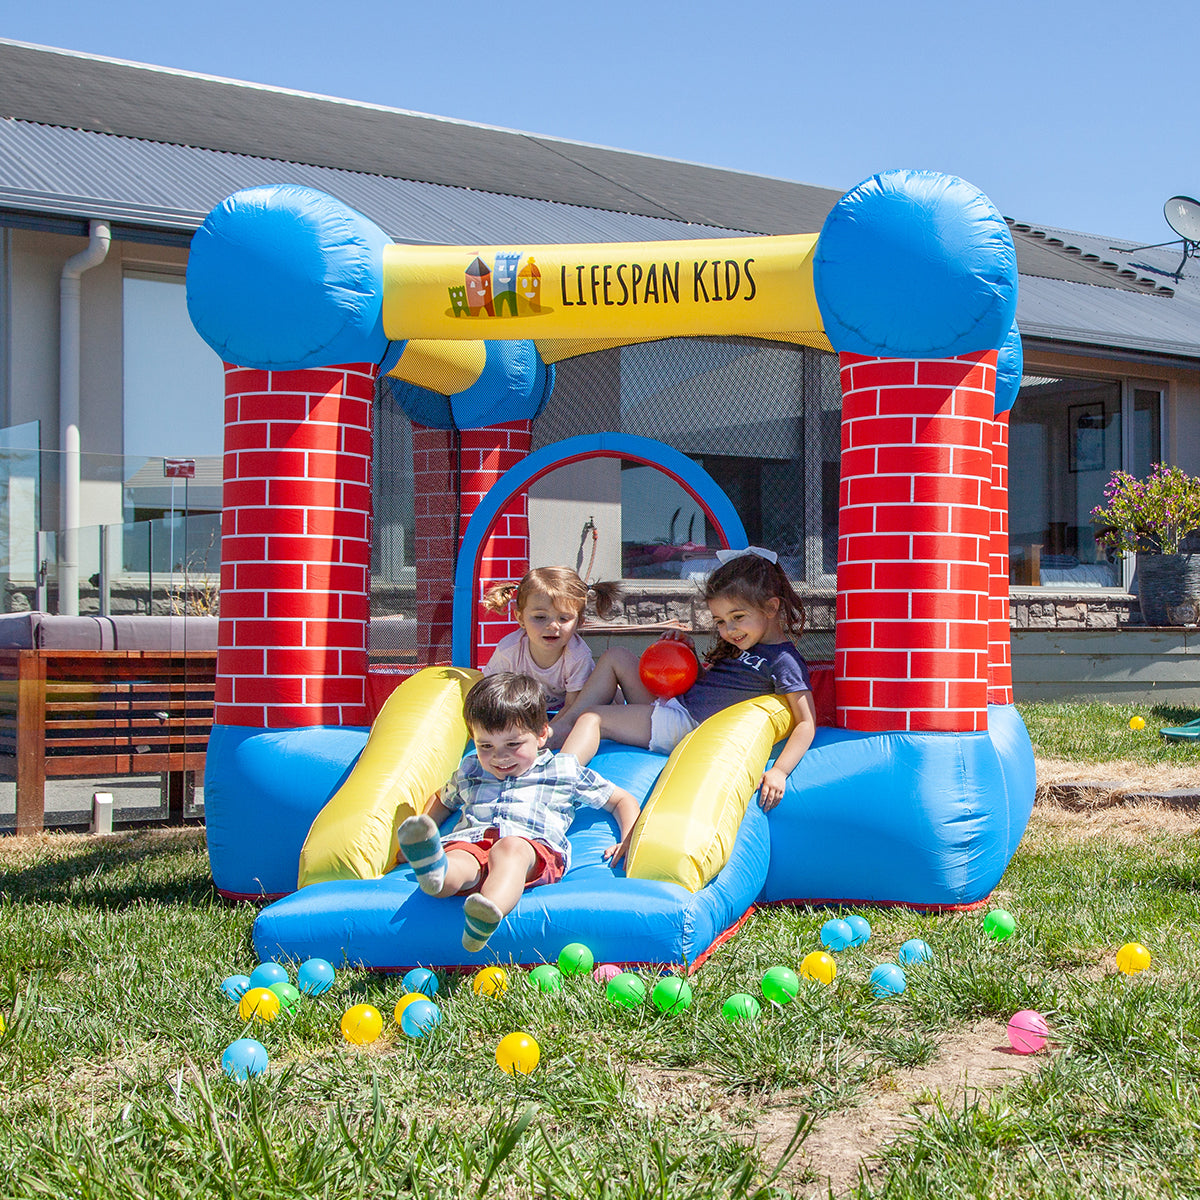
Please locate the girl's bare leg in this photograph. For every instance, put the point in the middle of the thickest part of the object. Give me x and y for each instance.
(625, 723)
(617, 668)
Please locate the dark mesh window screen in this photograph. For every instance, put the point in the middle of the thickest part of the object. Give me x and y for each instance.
(762, 418)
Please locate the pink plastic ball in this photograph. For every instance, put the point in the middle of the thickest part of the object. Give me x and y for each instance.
(1027, 1031)
(604, 972)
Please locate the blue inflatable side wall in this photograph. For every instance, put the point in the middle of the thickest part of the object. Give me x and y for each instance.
(917, 818)
(262, 789)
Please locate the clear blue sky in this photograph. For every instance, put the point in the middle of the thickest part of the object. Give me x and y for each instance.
(1075, 114)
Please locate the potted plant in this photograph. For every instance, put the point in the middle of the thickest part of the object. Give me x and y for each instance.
(1156, 518)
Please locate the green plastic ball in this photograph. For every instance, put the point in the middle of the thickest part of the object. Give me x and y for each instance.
(575, 959)
(546, 978)
(671, 995)
(780, 985)
(626, 989)
(999, 924)
(289, 995)
(740, 1007)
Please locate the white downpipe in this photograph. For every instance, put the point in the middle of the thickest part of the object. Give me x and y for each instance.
(70, 369)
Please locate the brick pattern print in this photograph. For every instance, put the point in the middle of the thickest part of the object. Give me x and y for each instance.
(295, 547)
(914, 543)
(486, 454)
(1000, 688)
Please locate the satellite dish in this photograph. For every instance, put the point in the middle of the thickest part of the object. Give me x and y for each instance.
(1183, 216)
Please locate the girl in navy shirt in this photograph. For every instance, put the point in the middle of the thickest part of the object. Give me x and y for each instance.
(756, 614)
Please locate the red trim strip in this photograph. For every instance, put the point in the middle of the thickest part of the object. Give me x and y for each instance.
(843, 903)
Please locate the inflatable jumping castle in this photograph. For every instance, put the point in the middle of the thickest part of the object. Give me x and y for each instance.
(919, 791)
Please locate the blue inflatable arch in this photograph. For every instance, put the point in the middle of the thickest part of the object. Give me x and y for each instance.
(693, 479)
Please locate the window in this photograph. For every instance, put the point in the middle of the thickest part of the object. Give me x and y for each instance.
(762, 418)
(1067, 436)
(174, 398)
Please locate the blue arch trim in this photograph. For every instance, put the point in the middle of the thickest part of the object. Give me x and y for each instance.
(670, 461)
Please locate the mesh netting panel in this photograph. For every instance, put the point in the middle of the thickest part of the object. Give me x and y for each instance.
(762, 418)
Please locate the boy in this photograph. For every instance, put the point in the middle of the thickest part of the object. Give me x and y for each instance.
(517, 802)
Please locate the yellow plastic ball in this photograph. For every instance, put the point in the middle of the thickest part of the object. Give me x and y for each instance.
(1, 1022)
(362, 1024)
(1132, 958)
(1137, 723)
(405, 1001)
(517, 1053)
(258, 1003)
(819, 967)
(491, 981)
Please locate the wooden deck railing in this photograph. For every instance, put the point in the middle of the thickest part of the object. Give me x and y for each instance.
(76, 713)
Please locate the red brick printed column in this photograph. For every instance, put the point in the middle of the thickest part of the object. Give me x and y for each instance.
(486, 454)
(1000, 689)
(295, 547)
(914, 542)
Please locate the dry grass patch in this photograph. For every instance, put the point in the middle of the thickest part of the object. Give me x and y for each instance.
(972, 1064)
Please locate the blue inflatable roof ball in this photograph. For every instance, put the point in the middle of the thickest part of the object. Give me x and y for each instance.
(287, 277)
(514, 385)
(1010, 366)
(915, 264)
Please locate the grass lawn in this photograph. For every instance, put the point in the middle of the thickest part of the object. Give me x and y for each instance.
(1100, 733)
(112, 950)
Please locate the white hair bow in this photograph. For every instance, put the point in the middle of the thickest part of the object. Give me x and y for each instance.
(724, 556)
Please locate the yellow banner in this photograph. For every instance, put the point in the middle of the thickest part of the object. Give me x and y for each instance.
(615, 290)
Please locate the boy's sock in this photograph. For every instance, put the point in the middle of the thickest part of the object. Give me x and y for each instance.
(418, 838)
(480, 919)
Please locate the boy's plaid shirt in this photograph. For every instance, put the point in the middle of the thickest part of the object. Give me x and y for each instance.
(540, 804)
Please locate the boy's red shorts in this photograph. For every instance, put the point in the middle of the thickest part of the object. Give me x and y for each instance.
(547, 863)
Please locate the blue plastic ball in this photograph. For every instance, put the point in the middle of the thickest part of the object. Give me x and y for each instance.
(420, 1018)
(861, 928)
(315, 976)
(244, 1058)
(267, 973)
(836, 934)
(235, 986)
(915, 951)
(888, 980)
(423, 980)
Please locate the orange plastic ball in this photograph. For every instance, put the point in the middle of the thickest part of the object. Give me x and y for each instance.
(668, 668)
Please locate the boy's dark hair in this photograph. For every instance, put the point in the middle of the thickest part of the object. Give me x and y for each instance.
(504, 700)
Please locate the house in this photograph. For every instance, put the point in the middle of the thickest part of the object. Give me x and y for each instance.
(107, 167)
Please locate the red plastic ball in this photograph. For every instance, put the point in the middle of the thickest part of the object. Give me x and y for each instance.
(668, 668)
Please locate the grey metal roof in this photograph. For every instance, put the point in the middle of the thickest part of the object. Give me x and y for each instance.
(60, 87)
(47, 169)
(153, 150)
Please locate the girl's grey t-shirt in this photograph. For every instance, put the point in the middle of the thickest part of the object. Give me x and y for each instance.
(759, 671)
